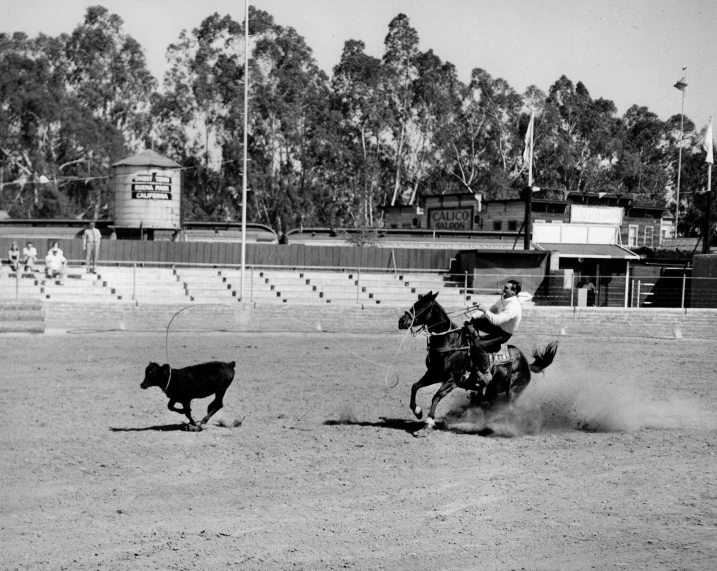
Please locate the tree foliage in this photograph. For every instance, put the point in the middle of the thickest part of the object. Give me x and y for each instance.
(329, 151)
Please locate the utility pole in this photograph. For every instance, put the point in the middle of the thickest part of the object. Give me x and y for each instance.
(707, 232)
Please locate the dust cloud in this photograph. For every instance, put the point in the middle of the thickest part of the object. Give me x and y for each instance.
(588, 401)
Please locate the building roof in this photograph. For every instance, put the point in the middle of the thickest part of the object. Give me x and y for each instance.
(147, 158)
(590, 251)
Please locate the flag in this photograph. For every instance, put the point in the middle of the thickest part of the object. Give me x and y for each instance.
(708, 145)
(528, 151)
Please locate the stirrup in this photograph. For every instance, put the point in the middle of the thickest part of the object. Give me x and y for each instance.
(484, 377)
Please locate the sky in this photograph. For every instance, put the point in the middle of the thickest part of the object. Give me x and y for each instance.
(629, 51)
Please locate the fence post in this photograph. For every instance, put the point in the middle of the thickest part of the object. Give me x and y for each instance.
(465, 288)
(639, 283)
(17, 282)
(627, 282)
(251, 286)
(134, 282)
(684, 283)
(358, 284)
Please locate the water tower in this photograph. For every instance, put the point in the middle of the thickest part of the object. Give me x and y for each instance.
(147, 190)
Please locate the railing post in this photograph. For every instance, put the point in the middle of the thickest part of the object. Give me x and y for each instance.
(251, 286)
(358, 284)
(639, 283)
(465, 288)
(684, 283)
(627, 283)
(134, 282)
(17, 283)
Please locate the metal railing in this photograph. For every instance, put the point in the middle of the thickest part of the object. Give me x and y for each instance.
(560, 289)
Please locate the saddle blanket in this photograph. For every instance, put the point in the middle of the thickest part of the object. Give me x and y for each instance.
(500, 357)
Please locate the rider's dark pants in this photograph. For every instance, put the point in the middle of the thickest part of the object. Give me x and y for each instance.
(489, 344)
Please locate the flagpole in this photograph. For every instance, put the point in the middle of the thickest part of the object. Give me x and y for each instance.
(244, 174)
(529, 189)
(682, 86)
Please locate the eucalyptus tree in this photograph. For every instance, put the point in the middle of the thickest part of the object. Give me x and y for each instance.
(47, 134)
(199, 114)
(400, 73)
(359, 96)
(289, 125)
(106, 71)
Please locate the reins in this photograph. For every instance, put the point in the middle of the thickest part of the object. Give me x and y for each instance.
(430, 333)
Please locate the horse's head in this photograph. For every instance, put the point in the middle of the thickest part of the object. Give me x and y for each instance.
(420, 312)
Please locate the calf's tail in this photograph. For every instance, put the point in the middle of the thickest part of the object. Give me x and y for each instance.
(543, 358)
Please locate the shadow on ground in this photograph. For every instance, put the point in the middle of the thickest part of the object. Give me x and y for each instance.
(158, 428)
(410, 426)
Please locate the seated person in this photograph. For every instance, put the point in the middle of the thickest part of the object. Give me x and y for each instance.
(29, 257)
(56, 246)
(55, 264)
(13, 257)
(500, 322)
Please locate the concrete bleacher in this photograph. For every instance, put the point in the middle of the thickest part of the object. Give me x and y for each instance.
(165, 285)
(143, 285)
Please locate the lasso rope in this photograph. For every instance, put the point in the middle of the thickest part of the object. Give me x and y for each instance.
(166, 336)
(387, 367)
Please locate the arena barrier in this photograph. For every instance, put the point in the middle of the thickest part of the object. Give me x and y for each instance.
(550, 321)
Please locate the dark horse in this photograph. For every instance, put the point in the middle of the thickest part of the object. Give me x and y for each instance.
(449, 359)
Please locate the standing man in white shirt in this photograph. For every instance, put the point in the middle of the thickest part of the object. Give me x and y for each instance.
(91, 245)
(500, 321)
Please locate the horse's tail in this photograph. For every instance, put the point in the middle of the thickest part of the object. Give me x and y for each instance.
(543, 358)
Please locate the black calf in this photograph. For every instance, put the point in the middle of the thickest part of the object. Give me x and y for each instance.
(195, 382)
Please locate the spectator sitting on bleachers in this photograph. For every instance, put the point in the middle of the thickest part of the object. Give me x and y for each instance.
(29, 257)
(56, 246)
(13, 257)
(55, 264)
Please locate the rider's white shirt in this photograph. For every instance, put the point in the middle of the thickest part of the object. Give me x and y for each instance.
(506, 313)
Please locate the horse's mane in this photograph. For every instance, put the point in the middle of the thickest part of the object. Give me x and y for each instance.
(452, 325)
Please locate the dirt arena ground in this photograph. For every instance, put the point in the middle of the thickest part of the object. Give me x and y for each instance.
(608, 461)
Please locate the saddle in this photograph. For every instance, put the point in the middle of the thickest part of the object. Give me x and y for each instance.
(499, 357)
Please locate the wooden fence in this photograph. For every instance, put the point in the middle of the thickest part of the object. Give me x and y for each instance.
(229, 253)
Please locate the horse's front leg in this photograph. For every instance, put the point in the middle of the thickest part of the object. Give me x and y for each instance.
(426, 380)
(446, 388)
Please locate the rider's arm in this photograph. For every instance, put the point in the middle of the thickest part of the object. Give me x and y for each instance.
(508, 313)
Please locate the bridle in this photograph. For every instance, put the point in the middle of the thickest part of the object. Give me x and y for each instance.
(413, 315)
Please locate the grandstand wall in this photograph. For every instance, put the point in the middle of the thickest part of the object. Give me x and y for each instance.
(550, 321)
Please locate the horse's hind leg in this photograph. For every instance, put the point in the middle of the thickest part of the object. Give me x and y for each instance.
(425, 381)
(446, 388)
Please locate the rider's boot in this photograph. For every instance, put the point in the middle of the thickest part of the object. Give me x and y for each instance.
(484, 378)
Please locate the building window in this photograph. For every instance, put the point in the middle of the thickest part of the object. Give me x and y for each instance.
(632, 235)
(648, 236)
(512, 225)
(497, 225)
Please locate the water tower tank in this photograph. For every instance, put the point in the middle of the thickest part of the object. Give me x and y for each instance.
(147, 192)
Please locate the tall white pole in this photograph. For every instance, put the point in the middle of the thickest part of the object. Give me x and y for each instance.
(246, 123)
(683, 81)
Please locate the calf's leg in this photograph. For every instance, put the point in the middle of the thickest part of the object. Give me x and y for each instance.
(186, 410)
(213, 408)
